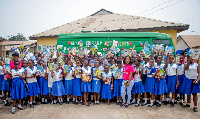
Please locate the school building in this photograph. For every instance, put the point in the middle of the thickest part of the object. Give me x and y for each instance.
(106, 21)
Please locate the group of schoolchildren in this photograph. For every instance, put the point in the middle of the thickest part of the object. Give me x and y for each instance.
(139, 82)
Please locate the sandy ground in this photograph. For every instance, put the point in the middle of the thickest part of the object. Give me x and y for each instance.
(102, 111)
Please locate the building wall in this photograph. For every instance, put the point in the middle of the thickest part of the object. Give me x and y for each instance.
(47, 41)
(180, 45)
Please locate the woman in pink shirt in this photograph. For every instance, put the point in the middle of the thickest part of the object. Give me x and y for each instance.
(128, 81)
(15, 56)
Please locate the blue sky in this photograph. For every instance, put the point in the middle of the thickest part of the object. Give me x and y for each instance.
(30, 17)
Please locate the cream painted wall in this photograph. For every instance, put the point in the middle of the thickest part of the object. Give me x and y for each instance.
(47, 41)
(180, 45)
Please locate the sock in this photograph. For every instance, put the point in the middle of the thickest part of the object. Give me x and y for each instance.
(159, 102)
(5, 101)
(76, 100)
(31, 103)
(87, 98)
(6, 98)
(145, 100)
(13, 108)
(54, 101)
(188, 103)
(172, 100)
(91, 97)
(138, 101)
(175, 101)
(19, 105)
(133, 101)
(61, 99)
(67, 99)
(195, 106)
(1, 96)
(151, 102)
(97, 101)
(81, 101)
(181, 101)
(167, 99)
(117, 100)
(45, 100)
(73, 99)
(42, 99)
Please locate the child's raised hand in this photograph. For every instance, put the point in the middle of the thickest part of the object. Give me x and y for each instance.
(195, 82)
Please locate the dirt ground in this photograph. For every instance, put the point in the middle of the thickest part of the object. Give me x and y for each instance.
(102, 111)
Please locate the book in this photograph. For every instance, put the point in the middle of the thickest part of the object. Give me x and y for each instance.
(169, 49)
(50, 66)
(93, 50)
(7, 60)
(108, 80)
(67, 68)
(112, 68)
(77, 70)
(39, 68)
(86, 77)
(91, 62)
(61, 62)
(117, 73)
(160, 72)
(98, 73)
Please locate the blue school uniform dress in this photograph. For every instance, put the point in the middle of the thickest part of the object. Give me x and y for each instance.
(188, 86)
(1, 76)
(150, 81)
(69, 82)
(118, 83)
(171, 78)
(181, 76)
(160, 84)
(144, 72)
(106, 86)
(33, 87)
(43, 83)
(96, 83)
(77, 85)
(17, 88)
(86, 87)
(58, 87)
(138, 87)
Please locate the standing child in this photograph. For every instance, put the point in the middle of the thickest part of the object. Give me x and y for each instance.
(118, 82)
(107, 84)
(69, 80)
(138, 87)
(77, 81)
(172, 78)
(58, 87)
(96, 83)
(2, 72)
(33, 87)
(17, 88)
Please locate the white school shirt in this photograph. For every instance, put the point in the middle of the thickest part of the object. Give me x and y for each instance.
(14, 72)
(137, 76)
(88, 70)
(101, 68)
(1, 70)
(144, 69)
(161, 66)
(50, 79)
(191, 73)
(29, 73)
(171, 69)
(121, 76)
(57, 74)
(109, 74)
(69, 75)
(180, 69)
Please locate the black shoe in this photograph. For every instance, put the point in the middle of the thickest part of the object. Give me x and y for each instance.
(122, 104)
(97, 103)
(7, 104)
(67, 102)
(76, 103)
(21, 108)
(158, 105)
(35, 103)
(187, 105)
(181, 104)
(148, 102)
(42, 102)
(117, 103)
(150, 105)
(25, 103)
(172, 104)
(45, 102)
(178, 98)
(155, 103)
(127, 105)
(195, 109)
(31, 106)
(137, 105)
(12, 112)
(143, 104)
(60, 103)
(175, 102)
(82, 103)
(166, 102)
(88, 104)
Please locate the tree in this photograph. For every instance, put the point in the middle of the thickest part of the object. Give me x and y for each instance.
(18, 37)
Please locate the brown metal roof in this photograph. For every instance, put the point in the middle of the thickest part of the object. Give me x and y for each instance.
(111, 22)
(191, 40)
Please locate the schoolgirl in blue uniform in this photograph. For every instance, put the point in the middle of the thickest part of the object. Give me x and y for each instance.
(33, 87)
(96, 83)
(118, 82)
(17, 87)
(107, 84)
(58, 87)
(172, 78)
(181, 77)
(43, 83)
(77, 82)
(86, 85)
(146, 64)
(160, 82)
(149, 83)
(69, 81)
(138, 87)
(191, 83)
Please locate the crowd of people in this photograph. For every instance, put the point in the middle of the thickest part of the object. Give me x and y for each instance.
(127, 80)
